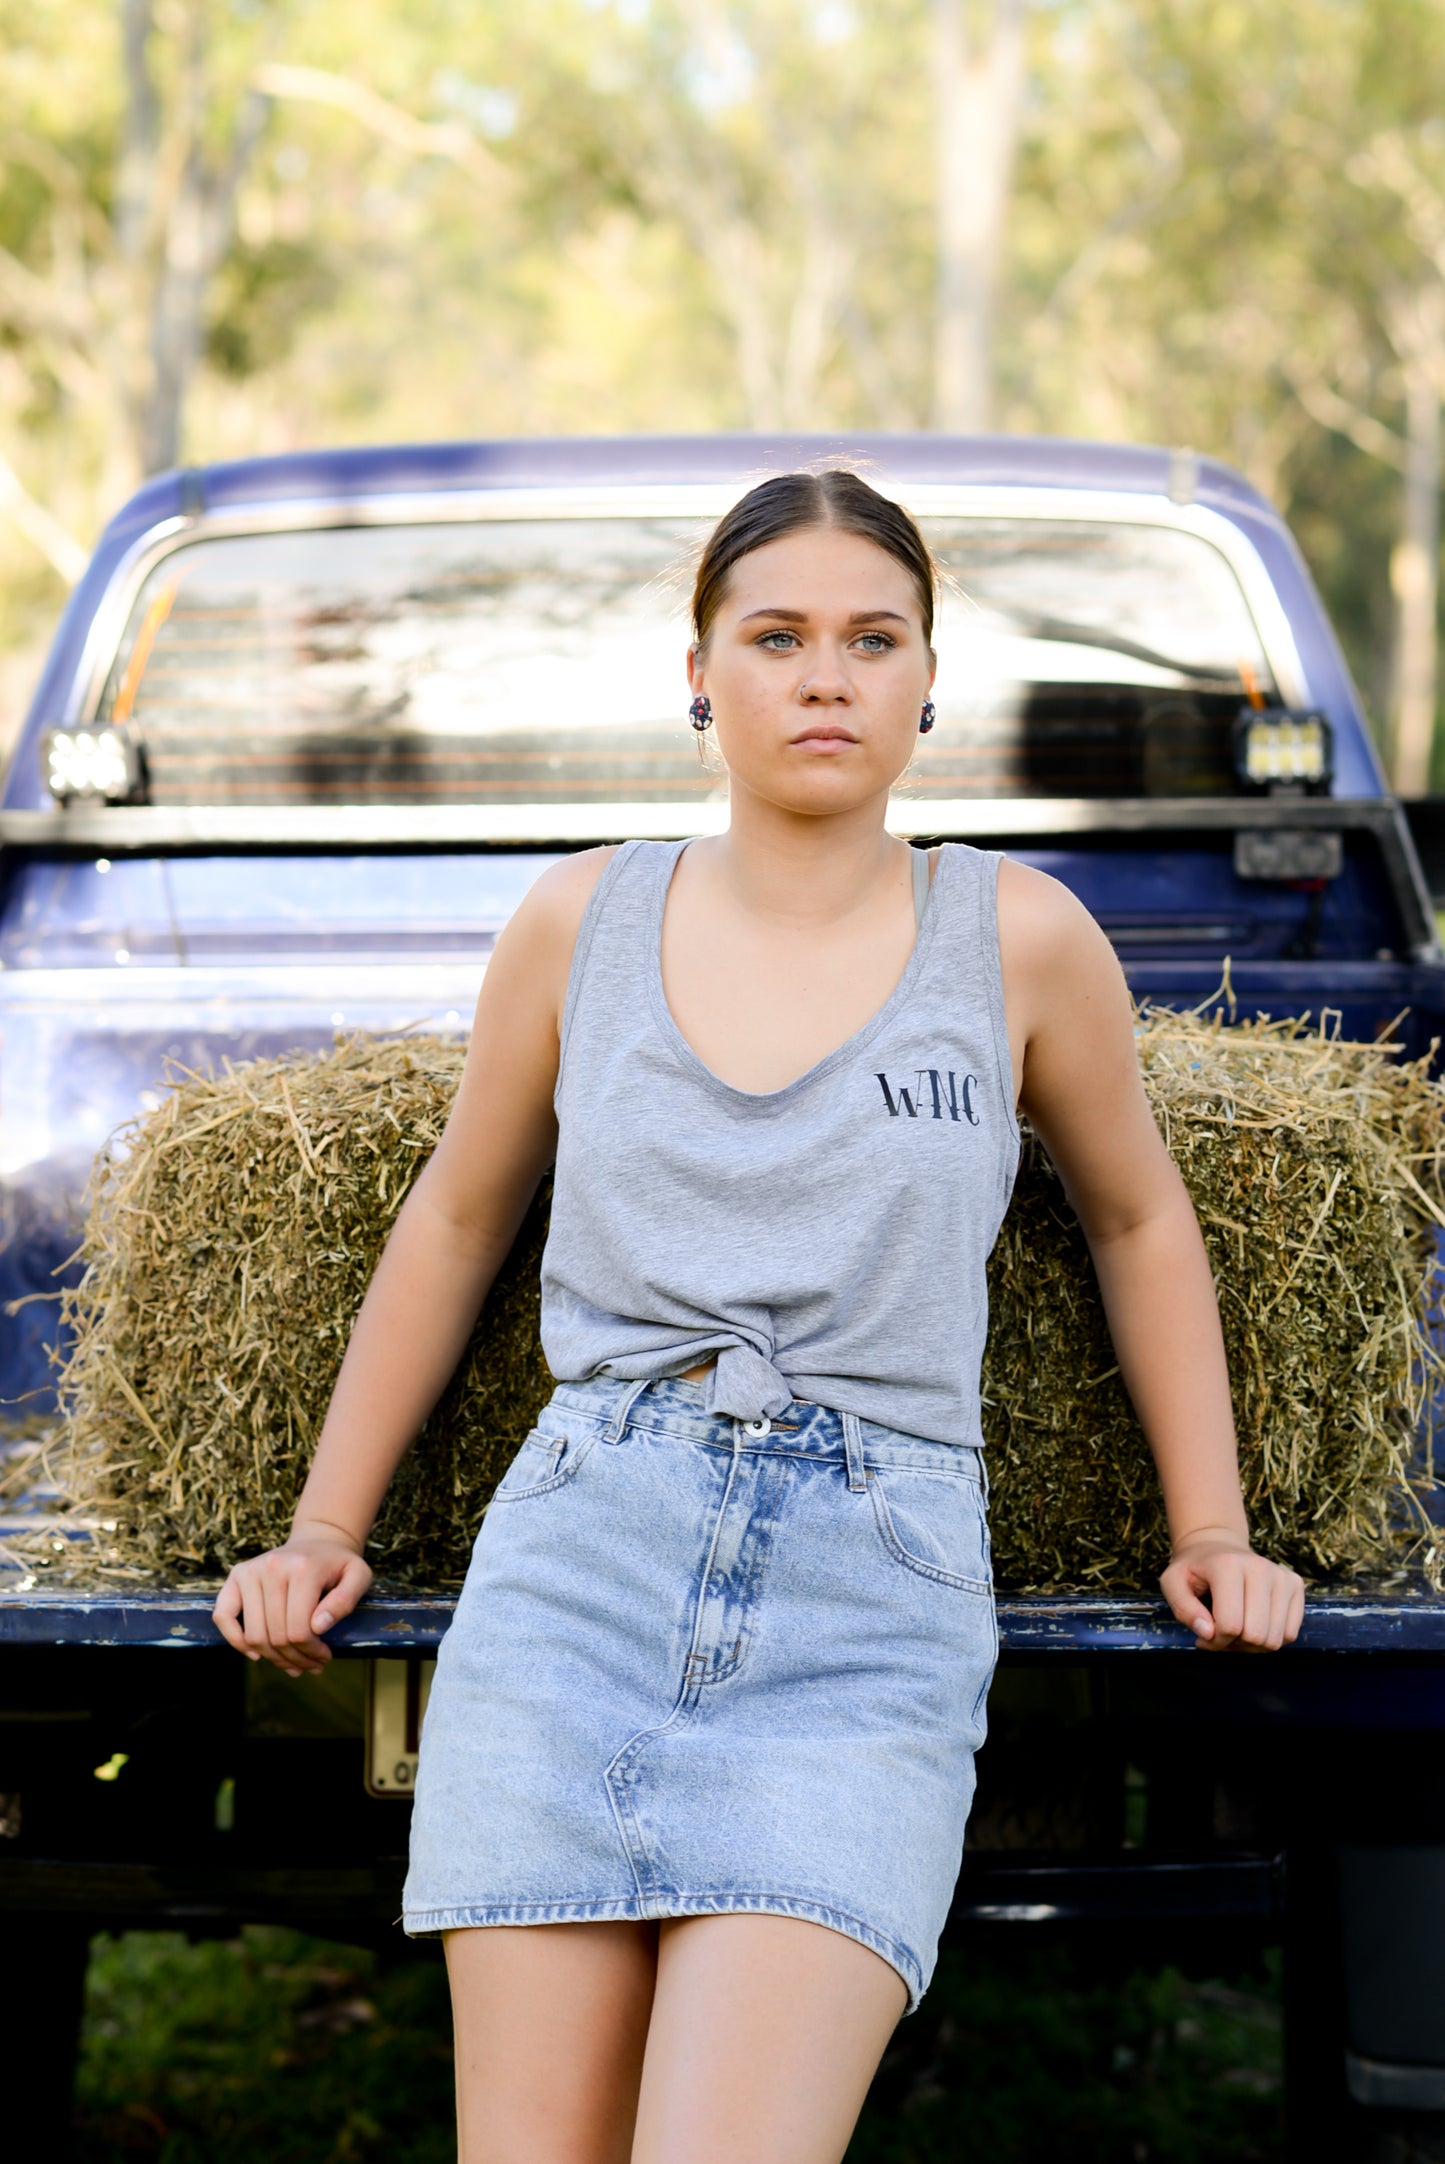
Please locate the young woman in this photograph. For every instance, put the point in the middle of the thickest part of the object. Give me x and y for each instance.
(700, 1749)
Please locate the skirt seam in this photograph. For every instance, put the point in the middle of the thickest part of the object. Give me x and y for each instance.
(629, 1825)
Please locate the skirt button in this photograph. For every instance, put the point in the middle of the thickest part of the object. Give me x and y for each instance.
(758, 1427)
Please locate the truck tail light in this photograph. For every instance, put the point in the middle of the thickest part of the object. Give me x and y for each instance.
(102, 764)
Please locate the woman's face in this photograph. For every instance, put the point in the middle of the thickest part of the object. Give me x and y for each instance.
(817, 669)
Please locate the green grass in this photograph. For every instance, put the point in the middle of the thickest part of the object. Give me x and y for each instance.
(272, 2046)
(1038, 2059)
(284, 2048)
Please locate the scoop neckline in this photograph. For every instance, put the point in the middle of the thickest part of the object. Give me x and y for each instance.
(861, 1036)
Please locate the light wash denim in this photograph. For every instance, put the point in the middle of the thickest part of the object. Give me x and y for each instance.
(703, 1666)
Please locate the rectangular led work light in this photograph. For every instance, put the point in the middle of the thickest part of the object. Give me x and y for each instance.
(102, 764)
(1283, 748)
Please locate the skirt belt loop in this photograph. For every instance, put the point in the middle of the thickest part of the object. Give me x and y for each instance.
(624, 1411)
(853, 1445)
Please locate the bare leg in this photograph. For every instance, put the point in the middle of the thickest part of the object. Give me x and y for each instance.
(551, 2023)
(765, 2034)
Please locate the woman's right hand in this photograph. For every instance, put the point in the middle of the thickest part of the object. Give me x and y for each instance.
(275, 1607)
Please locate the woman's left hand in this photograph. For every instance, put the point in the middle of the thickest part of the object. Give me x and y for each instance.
(1254, 1606)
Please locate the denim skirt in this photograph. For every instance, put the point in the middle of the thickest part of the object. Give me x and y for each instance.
(701, 1667)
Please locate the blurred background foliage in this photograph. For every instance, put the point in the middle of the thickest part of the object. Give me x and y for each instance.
(1037, 2052)
(240, 226)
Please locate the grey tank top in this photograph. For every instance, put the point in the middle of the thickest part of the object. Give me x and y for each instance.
(827, 1240)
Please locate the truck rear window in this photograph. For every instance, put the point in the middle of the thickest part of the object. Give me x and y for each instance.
(540, 661)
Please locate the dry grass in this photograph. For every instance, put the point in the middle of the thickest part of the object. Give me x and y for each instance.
(1316, 1168)
(232, 1232)
(230, 1237)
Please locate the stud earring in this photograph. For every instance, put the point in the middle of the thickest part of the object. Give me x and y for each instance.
(701, 713)
(927, 718)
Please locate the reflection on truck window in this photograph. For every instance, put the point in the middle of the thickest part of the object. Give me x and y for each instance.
(1087, 660)
(540, 661)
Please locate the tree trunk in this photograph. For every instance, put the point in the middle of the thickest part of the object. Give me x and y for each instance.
(135, 178)
(1415, 577)
(979, 88)
(177, 309)
(174, 213)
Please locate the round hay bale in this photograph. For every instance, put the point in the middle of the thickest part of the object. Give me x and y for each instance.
(1315, 1168)
(230, 1238)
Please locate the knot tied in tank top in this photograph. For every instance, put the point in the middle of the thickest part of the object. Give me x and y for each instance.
(826, 1241)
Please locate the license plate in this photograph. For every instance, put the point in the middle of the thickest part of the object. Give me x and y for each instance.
(396, 1695)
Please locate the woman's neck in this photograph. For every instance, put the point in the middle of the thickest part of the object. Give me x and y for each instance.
(791, 868)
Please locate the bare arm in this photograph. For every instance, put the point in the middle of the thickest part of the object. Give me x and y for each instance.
(451, 1237)
(1072, 1020)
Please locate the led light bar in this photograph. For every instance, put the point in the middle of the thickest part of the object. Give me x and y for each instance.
(100, 765)
(1280, 747)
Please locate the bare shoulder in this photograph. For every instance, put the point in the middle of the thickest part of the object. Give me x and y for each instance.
(561, 895)
(1041, 924)
(529, 967)
(1060, 973)
(502, 1128)
(547, 919)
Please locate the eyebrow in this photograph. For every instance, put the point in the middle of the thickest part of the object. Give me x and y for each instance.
(800, 616)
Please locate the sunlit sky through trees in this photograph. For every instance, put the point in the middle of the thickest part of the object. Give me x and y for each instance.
(236, 226)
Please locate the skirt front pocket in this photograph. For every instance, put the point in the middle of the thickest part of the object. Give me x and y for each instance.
(934, 1523)
(544, 1462)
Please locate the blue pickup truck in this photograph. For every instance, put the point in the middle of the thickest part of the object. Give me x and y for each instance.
(309, 728)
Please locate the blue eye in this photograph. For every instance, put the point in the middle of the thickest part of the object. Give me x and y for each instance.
(876, 642)
(769, 636)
